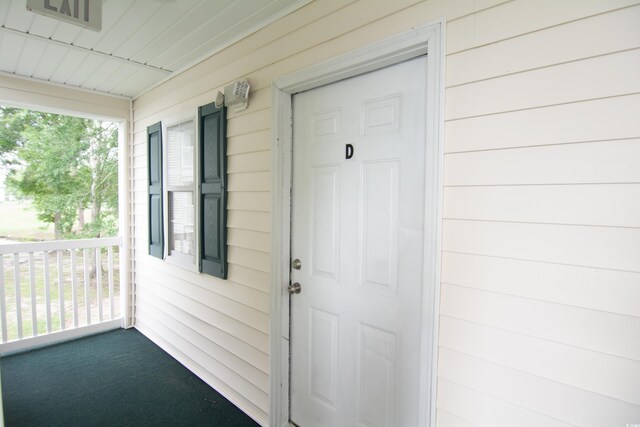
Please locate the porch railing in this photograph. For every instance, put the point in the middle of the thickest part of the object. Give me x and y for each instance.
(49, 287)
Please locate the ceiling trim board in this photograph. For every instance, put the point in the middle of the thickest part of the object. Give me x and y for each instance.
(62, 85)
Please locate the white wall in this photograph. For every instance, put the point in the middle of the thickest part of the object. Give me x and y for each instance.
(540, 304)
(540, 308)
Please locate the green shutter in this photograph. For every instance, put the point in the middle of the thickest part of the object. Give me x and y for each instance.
(154, 173)
(213, 190)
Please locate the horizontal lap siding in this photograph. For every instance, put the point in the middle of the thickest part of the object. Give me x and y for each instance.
(220, 329)
(528, 393)
(579, 122)
(541, 236)
(592, 78)
(505, 57)
(520, 17)
(540, 312)
(485, 409)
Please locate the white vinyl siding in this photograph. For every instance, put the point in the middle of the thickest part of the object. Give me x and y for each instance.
(541, 239)
(541, 236)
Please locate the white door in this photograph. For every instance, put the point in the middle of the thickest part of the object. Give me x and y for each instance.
(357, 229)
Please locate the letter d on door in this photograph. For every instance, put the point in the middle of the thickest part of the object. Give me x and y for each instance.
(349, 151)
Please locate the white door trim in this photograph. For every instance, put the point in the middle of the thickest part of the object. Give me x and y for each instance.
(426, 39)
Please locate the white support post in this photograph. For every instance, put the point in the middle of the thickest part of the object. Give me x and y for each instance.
(125, 188)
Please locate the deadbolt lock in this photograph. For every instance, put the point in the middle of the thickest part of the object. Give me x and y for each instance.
(295, 288)
(296, 264)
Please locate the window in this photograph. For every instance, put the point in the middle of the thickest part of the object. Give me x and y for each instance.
(180, 191)
(188, 191)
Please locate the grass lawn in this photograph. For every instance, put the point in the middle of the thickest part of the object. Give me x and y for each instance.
(19, 222)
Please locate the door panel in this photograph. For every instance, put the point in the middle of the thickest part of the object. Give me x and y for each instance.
(357, 227)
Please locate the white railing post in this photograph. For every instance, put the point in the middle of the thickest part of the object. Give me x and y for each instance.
(32, 282)
(3, 304)
(74, 287)
(87, 300)
(18, 291)
(60, 290)
(110, 278)
(47, 289)
(99, 282)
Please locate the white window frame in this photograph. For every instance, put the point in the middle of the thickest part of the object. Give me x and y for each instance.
(179, 259)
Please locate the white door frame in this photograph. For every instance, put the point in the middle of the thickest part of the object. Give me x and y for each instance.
(426, 39)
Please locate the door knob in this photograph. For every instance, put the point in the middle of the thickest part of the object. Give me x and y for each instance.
(295, 288)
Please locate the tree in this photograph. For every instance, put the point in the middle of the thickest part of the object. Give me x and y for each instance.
(103, 185)
(12, 123)
(65, 165)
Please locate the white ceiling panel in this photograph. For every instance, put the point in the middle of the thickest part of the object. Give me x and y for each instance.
(138, 78)
(11, 49)
(183, 48)
(30, 57)
(4, 11)
(71, 61)
(124, 72)
(51, 58)
(108, 67)
(123, 28)
(42, 26)
(158, 24)
(135, 78)
(88, 67)
(16, 18)
(219, 34)
(65, 33)
(180, 29)
(142, 42)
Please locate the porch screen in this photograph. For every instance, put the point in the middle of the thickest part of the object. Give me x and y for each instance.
(154, 171)
(213, 190)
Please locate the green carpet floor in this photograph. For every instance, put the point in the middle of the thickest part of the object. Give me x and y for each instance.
(117, 378)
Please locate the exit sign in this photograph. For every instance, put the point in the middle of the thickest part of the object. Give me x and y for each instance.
(85, 13)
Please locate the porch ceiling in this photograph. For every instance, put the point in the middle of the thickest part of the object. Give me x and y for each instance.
(142, 42)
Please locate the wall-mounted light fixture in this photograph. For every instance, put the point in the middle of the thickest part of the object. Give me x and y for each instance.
(236, 96)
